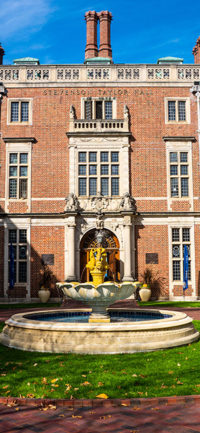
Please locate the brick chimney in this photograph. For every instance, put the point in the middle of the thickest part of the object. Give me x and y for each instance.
(196, 52)
(105, 18)
(2, 52)
(91, 49)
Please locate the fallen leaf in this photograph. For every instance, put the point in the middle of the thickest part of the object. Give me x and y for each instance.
(134, 375)
(5, 387)
(179, 383)
(102, 396)
(54, 380)
(170, 372)
(179, 364)
(86, 383)
(30, 395)
(61, 415)
(100, 384)
(83, 375)
(35, 365)
(124, 404)
(77, 416)
(44, 380)
(76, 389)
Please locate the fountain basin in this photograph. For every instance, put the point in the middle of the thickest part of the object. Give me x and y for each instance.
(99, 297)
(23, 332)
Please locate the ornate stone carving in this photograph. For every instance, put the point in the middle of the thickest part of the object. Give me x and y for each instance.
(72, 202)
(126, 112)
(127, 202)
(99, 202)
(99, 221)
(72, 112)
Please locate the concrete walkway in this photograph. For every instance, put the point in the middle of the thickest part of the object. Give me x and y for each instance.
(156, 415)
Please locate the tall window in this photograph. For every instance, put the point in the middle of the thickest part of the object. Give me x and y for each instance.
(98, 109)
(180, 237)
(18, 175)
(19, 111)
(98, 171)
(18, 240)
(179, 174)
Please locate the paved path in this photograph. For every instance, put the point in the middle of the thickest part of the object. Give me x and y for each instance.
(152, 416)
(163, 415)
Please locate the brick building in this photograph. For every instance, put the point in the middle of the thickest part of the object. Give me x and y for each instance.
(99, 146)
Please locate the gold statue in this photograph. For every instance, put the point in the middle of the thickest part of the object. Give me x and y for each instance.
(97, 265)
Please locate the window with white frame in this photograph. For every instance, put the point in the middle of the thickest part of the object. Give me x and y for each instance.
(179, 174)
(98, 171)
(177, 110)
(98, 109)
(180, 238)
(18, 175)
(20, 111)
(17, 240)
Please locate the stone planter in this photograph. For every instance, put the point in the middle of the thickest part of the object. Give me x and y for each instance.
(145, 293)
(44, 295)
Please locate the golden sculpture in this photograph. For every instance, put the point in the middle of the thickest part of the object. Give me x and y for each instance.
(97, 265)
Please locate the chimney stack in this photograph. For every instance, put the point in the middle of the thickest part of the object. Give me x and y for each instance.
(105, 18)
(196, 52)
(2, 52)
(91, 49)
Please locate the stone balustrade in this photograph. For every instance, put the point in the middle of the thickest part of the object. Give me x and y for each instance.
(108, 73)
(99, 125)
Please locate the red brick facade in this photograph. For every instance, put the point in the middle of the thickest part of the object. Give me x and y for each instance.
(150, 137)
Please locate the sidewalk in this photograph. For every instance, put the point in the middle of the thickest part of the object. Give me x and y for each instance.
(166, 415)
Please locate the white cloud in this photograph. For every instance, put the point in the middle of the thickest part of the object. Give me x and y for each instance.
(19, 17)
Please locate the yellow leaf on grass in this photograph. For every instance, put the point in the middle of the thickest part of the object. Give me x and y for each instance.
(102, 396)
(54, 380)
(44, 380)
(5, 387)
(170, 372)
(86, 383)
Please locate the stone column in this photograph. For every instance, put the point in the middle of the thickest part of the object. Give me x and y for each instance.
(127, 249)
(71, 248)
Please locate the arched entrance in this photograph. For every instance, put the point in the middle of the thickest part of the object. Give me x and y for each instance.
(111, 244)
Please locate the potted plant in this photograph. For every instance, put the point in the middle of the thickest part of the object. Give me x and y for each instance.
(45, 283)
(147, 279)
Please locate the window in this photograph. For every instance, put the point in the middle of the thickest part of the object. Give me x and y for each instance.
(19, 111)
(17, 241)
(177, 110)
(18, 175)
(98, 109)
(179, 174)
(180, 237)
(98, 171)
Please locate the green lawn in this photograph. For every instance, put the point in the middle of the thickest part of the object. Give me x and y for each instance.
(181, 304)
(162, 373)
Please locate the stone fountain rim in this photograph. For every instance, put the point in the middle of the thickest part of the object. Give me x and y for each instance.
(178, 318)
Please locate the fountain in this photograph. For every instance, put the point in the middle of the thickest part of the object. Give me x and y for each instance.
(100, 328)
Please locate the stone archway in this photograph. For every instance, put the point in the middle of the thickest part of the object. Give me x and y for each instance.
(111, 244)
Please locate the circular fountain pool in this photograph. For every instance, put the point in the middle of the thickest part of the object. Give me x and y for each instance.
(129, 331)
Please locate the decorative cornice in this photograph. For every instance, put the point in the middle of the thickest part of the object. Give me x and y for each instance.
(179, 138)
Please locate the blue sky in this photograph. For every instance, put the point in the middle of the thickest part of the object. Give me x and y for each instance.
(55, 31)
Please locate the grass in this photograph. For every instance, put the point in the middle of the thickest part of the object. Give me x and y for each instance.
(162, 373)
(181, 304)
